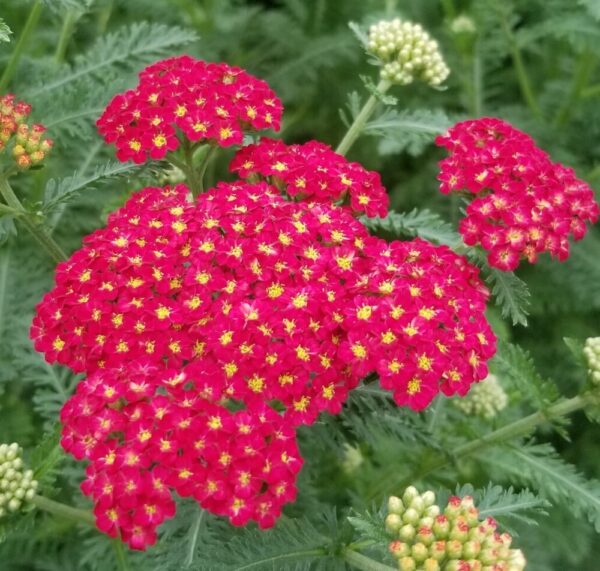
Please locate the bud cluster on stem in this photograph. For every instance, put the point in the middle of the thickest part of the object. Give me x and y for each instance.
(591, 352)
(485, 399)
(427, 539)
(407, 52)
(17, 485)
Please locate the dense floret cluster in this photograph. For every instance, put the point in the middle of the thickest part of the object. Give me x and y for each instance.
(524, 203)
(17, 486)
(407, 53)
(188, 98)
(191, 319)
(30, 146)
(313, 171)
(486, 399)
(591, 353)
(425, 539)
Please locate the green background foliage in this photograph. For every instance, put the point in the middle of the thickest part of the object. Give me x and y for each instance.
(534, 63)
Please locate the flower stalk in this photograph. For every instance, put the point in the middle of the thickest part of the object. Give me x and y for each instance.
(63, 510)
(33, 226)
(361, 119)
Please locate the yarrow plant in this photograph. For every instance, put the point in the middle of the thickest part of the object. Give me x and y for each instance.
(209, 330)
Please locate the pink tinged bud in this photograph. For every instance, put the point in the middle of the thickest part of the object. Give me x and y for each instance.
(457, 565)
(438, 550)
(46, 145)
(441, 527)
(454, 549)
(425, 535)
(488, 556)
(460, 529)
(37, 157)
(419, 552)
(475, 565)
(399, 549)
(24, 162)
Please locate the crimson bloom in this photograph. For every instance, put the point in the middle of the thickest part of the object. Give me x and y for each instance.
(524, 203)
(204, 102)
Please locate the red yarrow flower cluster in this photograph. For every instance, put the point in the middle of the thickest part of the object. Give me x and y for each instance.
(30, 147)
(195, 323)
(525, 204)
(313, 171)
(181, 96)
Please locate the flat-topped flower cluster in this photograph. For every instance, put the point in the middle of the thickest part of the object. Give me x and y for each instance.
(524, 204)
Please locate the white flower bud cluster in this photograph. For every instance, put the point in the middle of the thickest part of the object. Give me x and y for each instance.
(17, 485)
(407, 52)
(353, 458)
(591, 352)
(425, 539)
(485, 399)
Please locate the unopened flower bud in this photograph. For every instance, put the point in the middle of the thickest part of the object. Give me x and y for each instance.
(407, 564)
(16, 485)
(407, 533)
(393, 522)
(399, 549)
(462, 25)
(409, 495)
(419, 552)
(454, 549)
(591, 352)
(395, 505)
(431, 564)
(429, 499)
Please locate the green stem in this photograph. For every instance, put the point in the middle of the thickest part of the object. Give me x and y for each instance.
(11, 66)
(359, 123)
(63, 510)
(521, 70)
(203, 166)
(584, 70)
(449, 9)
(477, 102)
(120, 555)
(65, 35)
(33, 226)
(195, 532)
(193, 180)
(515, 429)
(360, 561)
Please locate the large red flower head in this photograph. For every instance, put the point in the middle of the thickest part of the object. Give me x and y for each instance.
(525, 204)
(209, 331)
(313, 171)
(185, 98)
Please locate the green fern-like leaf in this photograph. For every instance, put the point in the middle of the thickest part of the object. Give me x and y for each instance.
(417, 223)
(511, 293)
(407, 130)
(542, 468)
(515, 365)
(5, 31)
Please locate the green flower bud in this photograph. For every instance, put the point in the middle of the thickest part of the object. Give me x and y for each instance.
(393, 522)
(411, 516)
(395, 505)
(419, 552)
(431, 565)
(429, 499)
(407, 533)
(438, 550)
(409, 495)
(591, 352)
(462, 25)
(418, 504)
(471, 549)
(485, 399)
(454, 549)
(407, 564)
(16, 484)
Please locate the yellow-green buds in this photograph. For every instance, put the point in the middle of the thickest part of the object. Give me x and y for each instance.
(485, 399)
(591, 351)
(407, 52)
(424, 539)
(17, 485)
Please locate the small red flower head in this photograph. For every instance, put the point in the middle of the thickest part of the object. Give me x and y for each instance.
(313, 171)
(182, 97)
(524, 203)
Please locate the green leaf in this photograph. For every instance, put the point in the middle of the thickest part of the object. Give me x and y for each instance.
(370, 525)
(127, 48)
(407, 130)
(515, 365)
(5, 31)
(541, 467)
(417, 223)
(511, 293)
(58, 192)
